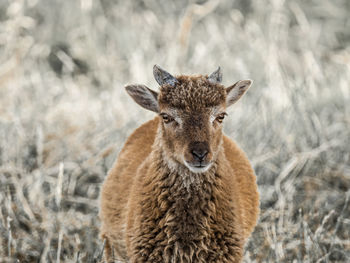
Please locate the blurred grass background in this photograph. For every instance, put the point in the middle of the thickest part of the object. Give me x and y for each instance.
(64, 114)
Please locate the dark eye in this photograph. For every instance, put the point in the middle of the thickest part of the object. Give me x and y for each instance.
(221, 117)
(166, 118)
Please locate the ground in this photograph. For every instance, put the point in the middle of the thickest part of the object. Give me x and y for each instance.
(64, 114)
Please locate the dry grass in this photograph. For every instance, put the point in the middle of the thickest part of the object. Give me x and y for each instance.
(64, 114)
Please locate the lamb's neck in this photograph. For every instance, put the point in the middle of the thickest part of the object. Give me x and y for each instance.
(178, 177)
(186, 201)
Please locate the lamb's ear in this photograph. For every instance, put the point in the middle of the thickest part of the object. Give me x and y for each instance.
(236, 91)
(144, 96)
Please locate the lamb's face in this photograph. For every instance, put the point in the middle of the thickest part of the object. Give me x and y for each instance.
(192, 138)
(192, 113)
(192, 109)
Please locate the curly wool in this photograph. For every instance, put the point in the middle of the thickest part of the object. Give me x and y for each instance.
(192, 92)
(178, 223)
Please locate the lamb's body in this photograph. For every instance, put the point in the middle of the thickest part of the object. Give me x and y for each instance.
(152, 214)
(180, 191)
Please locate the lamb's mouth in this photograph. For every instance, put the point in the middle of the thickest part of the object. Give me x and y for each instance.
(198, 167)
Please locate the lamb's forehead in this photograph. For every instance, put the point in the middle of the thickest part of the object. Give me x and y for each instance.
(192, 92)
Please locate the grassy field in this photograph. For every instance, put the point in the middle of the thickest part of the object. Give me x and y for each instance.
(64, 114)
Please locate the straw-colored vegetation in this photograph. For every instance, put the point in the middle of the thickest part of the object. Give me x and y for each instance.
(64, 114)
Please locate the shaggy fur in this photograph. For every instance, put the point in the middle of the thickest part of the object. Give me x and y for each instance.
(154, 209)
(192, 93)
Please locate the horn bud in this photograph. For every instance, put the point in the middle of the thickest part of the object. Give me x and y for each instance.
(163, 77)
(215, 77)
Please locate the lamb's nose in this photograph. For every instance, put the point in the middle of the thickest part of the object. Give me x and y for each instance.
(199, 150)
(199, 154)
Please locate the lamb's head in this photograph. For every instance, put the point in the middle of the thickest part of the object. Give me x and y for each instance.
(192, 109)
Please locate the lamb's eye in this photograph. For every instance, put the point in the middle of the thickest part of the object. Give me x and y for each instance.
(166, 118)
(221, 117)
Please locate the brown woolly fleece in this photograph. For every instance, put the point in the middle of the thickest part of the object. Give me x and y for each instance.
(156, 210)
(194, 92)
